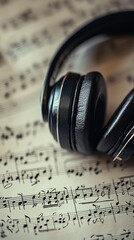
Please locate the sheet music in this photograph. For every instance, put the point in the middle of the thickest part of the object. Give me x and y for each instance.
(47, 192)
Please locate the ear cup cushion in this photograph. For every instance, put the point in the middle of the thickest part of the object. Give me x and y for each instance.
(90, 112)
(74, 113)
(65, 109)
(121, 120)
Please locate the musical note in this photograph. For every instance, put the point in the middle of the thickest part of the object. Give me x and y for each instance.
(33, 175)
(46, 191)
(18, 133)
(13, 84)
(47, 155)
(125, 234)
(93, 166)
(102, 193)
(63, 220)
(35, 155)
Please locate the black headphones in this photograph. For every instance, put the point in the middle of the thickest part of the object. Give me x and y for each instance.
(75, 105)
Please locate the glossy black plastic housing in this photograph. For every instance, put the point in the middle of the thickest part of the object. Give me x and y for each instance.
(125, 149)
(114, 133)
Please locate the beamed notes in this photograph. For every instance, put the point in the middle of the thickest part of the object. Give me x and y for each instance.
(47, 192)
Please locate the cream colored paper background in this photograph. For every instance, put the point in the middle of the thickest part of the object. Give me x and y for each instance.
(45, 191)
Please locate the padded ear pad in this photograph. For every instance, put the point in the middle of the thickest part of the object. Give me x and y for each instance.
(118, 126)
(68, 87)
(89, 112)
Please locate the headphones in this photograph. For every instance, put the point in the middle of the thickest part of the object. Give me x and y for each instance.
(75, 105)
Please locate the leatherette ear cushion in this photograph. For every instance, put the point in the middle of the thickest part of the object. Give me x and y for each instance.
(65, 109)
(90, 112)
(118, 124)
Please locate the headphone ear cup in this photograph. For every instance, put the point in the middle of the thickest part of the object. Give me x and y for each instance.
(89, 113)
(60, 108)
(118, 126)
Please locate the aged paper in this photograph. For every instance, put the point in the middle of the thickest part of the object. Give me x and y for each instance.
(47, 192)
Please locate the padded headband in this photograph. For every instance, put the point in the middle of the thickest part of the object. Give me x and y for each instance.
(120, 23)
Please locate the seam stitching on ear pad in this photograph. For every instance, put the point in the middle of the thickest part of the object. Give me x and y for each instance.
(65, 109)
(93, 89)
(118, 123)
